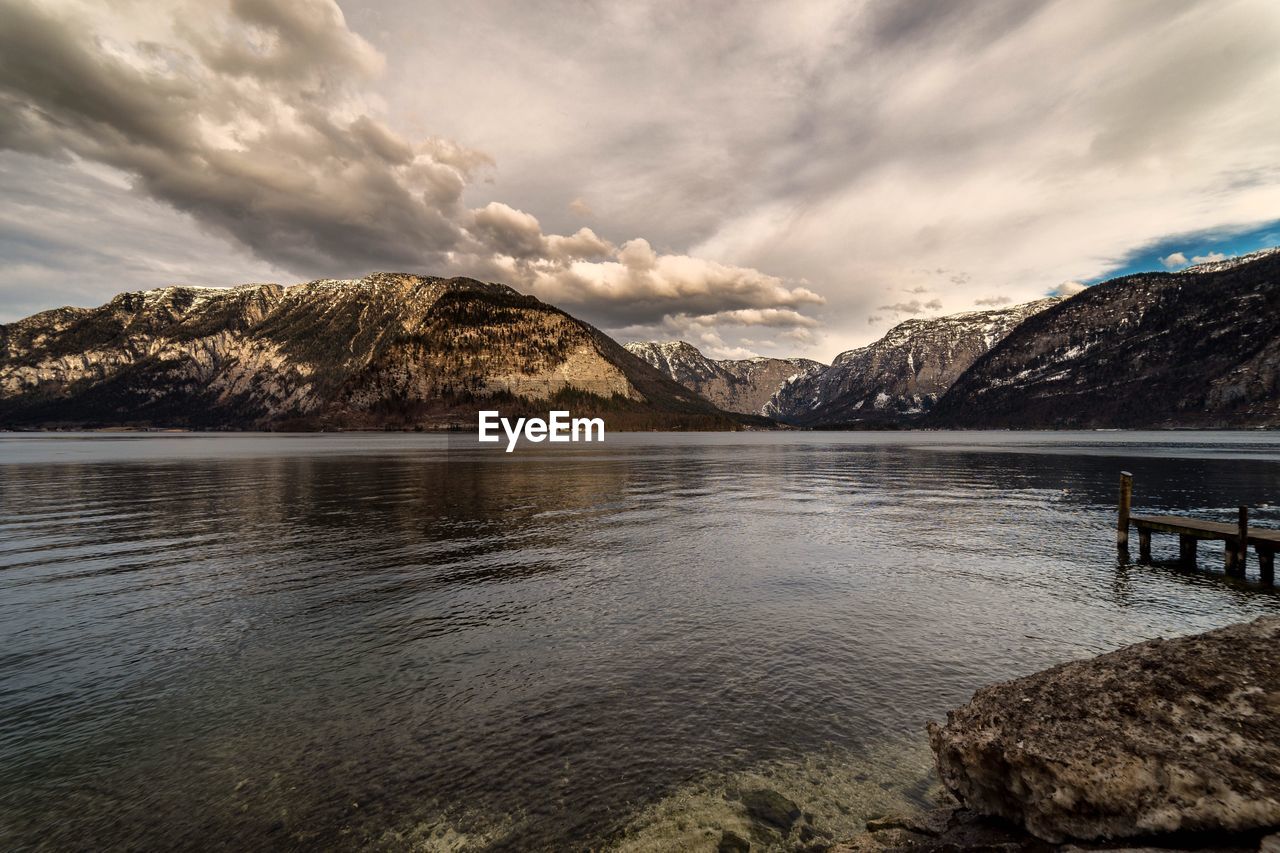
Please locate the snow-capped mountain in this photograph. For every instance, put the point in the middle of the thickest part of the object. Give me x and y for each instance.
(387, 350)
(899, 377)
(1199, 347)
(1231, 263)
(741, 385)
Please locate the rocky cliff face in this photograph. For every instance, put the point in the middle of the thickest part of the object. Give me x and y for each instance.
(1195, 348)
(742, 385)
(899, 377)
(386, 350)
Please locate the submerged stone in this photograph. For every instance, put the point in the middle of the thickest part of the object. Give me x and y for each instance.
(1160, 737)
(932, 823)
(768, 806)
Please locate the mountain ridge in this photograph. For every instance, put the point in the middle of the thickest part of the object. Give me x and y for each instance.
(896, 379)
(1195, 348)
(388, 349)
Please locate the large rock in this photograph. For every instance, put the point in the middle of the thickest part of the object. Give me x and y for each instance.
(1165, 736)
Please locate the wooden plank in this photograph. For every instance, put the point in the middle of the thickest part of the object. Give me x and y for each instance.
(1205, 529)
(1179, 524)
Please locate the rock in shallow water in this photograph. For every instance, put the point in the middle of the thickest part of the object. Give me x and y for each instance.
(772, 808)
(1163, 736)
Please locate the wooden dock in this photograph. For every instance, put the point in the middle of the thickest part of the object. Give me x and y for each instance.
(1236, 537)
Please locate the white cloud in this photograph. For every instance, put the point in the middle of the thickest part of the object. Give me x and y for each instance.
(707, 329)
(631, 284)
(913, 306)
(1068, 288)
(772, 317)
(721, 351)
(1178, 260)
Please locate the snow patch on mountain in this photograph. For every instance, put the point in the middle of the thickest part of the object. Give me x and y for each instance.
(1231, 263)
(901, 375)
(735, 385)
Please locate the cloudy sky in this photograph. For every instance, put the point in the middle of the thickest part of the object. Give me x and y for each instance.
(782, 178)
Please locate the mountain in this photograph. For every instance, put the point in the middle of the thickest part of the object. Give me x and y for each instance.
(899, 377)
(744, 385)
(1197, 348)
(388, 350)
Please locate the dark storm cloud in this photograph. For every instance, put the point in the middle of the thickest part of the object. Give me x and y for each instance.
(255, 151)
(892, 23)
(68, 237)
(254, 118)
(312, 44)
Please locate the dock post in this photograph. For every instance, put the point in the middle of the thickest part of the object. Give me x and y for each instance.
(1238, 551)
(1122, 523)
(1266, 564)
(1187, 551)
(1144, 544)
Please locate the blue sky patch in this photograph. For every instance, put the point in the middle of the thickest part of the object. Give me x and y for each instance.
(1174, 253)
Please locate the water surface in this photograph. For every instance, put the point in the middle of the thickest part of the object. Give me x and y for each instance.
(397, 641)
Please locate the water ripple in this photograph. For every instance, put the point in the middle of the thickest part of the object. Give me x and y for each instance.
(328, 642)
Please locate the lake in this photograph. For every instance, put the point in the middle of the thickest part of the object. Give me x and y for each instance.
(398, 641)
